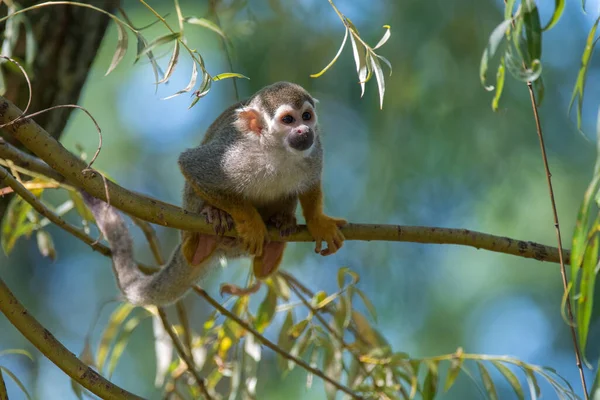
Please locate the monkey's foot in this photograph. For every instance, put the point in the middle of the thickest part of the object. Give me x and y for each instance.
(326, 229)
(252, 233)
(285, 222)
(219, 219)
(234, 290)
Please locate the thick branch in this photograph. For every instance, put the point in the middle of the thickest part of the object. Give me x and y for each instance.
(45, 342)
(74, 170)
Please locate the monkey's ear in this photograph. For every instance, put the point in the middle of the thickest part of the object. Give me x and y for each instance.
(249, 120)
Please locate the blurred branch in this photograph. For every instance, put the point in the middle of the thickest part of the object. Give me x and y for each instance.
(3, 392)
(58, 354)
(68, 165)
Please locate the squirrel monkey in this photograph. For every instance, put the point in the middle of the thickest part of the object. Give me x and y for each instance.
(256, 161)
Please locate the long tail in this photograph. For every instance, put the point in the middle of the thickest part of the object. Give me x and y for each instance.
(163, 287)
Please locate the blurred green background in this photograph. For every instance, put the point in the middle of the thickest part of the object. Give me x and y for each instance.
(435, 155)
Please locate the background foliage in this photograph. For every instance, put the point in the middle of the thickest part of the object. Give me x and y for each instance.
(435, 155)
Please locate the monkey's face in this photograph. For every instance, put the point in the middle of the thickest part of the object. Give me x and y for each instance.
(296, 127)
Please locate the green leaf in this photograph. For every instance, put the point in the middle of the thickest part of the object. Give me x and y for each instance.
(487, 381)
(385, 38)
(580, 234)
(227, 75)
(578, 89)
(585, 299)
(110, 332)
(122, 45)
(453, 371)
(83, 211)
(266, 310)
(205, 23)
(342, 272)
(172, 63)
(368, 304)
(494, 41)
(499, 84)
(16, 380)
(190, 85)
(361, 70)
(45, 244)
(430, 386)
(380, 79)
(509, 6)
(16, 351)
(159, 41)
(511, 378)
(121, 342)
(298, 329)
(533, 30)
(559, 7)
(534, 388)
(318, 74)
(141, 45)
(15, 223)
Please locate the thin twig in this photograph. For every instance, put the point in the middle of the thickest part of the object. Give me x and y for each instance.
(185, 323)
(58, 354)
(563, 270)
(151, 237)
(223, 41)
(3, 392)
(183, 354)
(301, 363)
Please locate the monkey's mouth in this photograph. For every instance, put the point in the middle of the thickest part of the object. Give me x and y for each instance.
(301, 141)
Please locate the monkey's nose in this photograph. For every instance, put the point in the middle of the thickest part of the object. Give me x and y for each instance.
(301, 140)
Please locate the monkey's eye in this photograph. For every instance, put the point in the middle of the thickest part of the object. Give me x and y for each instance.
(306, 116)
(288, 119)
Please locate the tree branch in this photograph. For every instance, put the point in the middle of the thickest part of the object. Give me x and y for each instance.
(46, 343)
(76, 173)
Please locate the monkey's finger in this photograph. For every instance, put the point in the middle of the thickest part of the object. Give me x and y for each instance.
(340, 222)
(318, 245)
(230, 223)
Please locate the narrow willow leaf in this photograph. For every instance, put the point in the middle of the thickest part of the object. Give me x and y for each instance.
(281, 287)
(122, 45)
(141, 45)
(515, 67)
(159, 41)
(585, 299)
(453, 371)
(45, 244)
(533, 30)
(342, 272)
(110, 332)
(368, 304)
(578, 89)
(80, 206)
(16, 380)
(380, 79)
(386, 61)
(559, 7)
(227, 75)
(580, 234)
(266, 311)
(189, 86)
(30, 43)
(16, 351)
(511, 378)
(534, 388)
(326, 301)
(121, 342)
(252, 348)
(163, 349)
(488, 384)
(499, 84)
(540, 90)
(172, 63)
(318, 74)
(361, 69)
(77, 389)
(385, 37)
(15, 224)
(205, 23)
(295, 331)
(493, 42)
(430, 385)
(299, 348)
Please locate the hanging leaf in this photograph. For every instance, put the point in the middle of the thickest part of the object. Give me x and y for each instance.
(122, 340)
(205, 23)
(585, 299)
(168, 38)
(559, 7)
(487, 381)
(499, 84)
(453, 372)
(380, 79)
(189, 86)
(122, 45)
(385, 37)
(16, 380)
(45, 244)
(430, 385)
(172, 63)
(318, 74)
(494, 41)
(511, 378)
(266, 311)
(227, 75)
(361, 66)
(117, 317)
(15, 223)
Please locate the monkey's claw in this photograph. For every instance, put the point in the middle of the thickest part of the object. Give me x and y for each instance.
(285, 222)
(219, 219)
(326, 229)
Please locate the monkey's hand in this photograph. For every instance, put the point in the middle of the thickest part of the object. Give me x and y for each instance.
(285, 223)
(326, 229)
